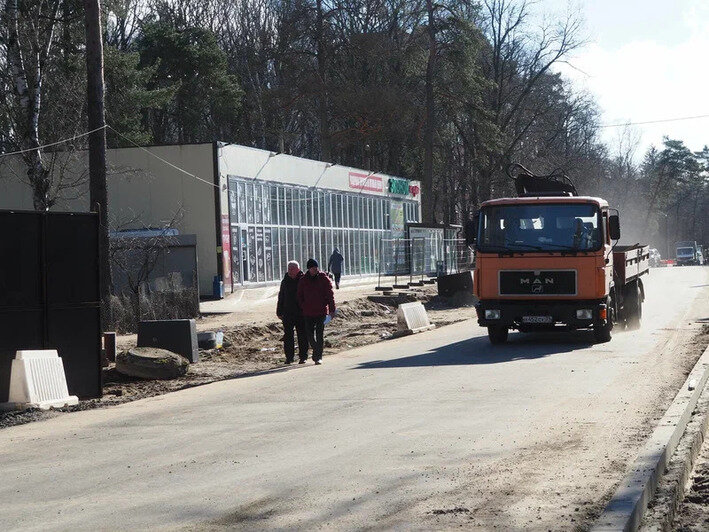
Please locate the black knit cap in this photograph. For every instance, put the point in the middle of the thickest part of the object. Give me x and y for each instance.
(311, 263)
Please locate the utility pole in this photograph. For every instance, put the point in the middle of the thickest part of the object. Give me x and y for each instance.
(667, 234)
(98, 193)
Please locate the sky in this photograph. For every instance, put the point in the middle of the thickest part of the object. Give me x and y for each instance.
(644, 60)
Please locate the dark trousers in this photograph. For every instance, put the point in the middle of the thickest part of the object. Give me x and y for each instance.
(315, 326)
(337, 278)
(297, 323)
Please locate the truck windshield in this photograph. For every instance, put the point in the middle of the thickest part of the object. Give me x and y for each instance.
(685, 252)
(540, 227)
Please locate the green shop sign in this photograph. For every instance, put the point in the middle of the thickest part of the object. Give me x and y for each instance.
(398, 186)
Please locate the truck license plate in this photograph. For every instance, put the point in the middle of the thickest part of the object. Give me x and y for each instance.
(536, 319)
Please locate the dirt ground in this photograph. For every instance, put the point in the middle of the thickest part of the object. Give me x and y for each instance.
(693, 513)
(253, 343)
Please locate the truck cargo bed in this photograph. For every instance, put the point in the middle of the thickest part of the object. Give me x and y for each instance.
(630, 262)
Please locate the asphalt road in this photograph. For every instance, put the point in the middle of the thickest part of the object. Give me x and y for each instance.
(431, 431)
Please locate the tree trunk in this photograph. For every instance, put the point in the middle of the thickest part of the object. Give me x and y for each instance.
(98, 192)
(323, 115)
(30, 102)
(427, 200)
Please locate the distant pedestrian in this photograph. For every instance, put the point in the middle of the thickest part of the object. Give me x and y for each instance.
(316, 301)
(335, 266)
(289, 312)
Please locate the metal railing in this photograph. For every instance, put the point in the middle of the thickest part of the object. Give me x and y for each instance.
(408, 262)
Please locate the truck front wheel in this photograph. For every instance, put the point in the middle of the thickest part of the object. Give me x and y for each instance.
(497, 334)
(602, 333)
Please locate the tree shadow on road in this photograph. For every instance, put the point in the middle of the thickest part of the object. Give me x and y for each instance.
(478, 350)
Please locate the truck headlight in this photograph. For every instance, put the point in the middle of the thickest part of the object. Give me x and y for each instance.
(492, 314)
(584, 314)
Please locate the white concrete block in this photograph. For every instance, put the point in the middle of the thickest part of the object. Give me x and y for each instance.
(412, 318)
(37, 380)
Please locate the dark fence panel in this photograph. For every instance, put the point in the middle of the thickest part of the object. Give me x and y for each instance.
(49, 294)
(20, 257)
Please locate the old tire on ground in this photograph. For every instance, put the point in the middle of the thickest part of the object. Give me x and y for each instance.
(634, 306)
(151, 363)
(497, 334)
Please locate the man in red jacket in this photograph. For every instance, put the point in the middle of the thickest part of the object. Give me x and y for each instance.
(316, 301)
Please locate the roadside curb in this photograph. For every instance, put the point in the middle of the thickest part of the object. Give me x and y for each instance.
(670, 493)
(627, 506)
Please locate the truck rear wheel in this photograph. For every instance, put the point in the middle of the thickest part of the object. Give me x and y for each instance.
(497, 334)
(634, 306)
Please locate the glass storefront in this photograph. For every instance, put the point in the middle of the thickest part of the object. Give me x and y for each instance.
(272, 223)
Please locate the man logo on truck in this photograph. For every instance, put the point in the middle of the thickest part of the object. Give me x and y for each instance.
(537, 280)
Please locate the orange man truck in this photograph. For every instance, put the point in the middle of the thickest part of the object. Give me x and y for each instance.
(549, 260)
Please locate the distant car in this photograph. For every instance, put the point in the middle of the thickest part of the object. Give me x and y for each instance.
(655, 258)
(689, 252)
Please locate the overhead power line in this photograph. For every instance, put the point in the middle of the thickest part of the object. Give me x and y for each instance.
(661, 121)
(57, 143)
(146, 150)
(370, 175)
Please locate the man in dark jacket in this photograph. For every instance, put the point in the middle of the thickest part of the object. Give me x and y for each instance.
(288, 311)
(316, 301)
(334, 265)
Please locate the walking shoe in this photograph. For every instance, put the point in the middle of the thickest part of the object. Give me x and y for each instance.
(302, 361)
(318, 362)
(289, 361)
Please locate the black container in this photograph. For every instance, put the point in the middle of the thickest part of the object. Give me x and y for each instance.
(449, 285)
(178, 336)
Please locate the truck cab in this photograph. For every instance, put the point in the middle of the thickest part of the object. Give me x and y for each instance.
(548, 262)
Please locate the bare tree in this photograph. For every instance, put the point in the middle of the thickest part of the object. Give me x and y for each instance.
(28, 43)
(135, 252)
(519, 64)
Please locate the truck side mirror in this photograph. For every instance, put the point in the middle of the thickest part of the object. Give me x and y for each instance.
(614, 226)
(471, 229)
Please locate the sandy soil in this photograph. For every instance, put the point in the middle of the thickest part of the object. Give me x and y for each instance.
(253, 343)
(693, 512)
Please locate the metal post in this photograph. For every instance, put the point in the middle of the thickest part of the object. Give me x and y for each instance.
(396, 263)
(380, 262)
(423, 262)
(412, 260)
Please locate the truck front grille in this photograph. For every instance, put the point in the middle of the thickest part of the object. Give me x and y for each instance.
(538, 283)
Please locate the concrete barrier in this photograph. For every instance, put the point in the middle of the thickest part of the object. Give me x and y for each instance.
(411, 318)
(37, 380)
